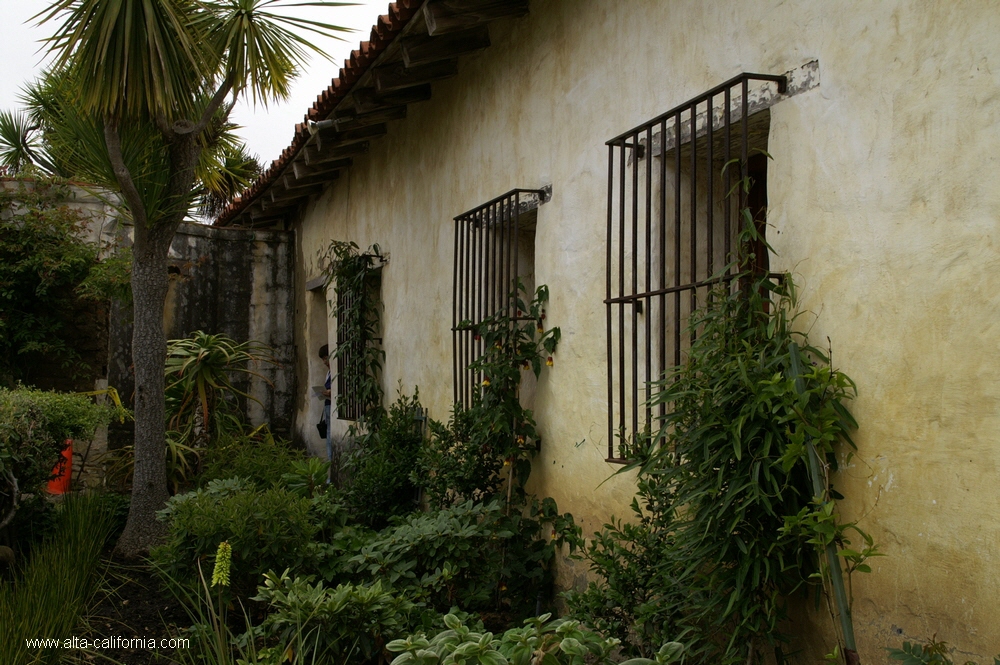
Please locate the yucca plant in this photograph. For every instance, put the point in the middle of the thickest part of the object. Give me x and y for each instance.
(201, 373)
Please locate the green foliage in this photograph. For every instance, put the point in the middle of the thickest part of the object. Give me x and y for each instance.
(34, 426)
(356, 278)
(490, 444)
(932, 653)
(52, 591)
(42, 261)
(559, 642)
(257, 458)
(474, 556)
(348, 623)
(110, 279)
(19, 146)
(725, 516)
(268, 529)
(380, 462)
(201, 395)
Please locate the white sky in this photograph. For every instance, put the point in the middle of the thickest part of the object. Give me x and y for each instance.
(267, 131)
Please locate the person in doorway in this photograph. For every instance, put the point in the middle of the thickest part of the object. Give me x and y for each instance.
(324, 355)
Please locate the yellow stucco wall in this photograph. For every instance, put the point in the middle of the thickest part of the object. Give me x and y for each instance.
(883, 201)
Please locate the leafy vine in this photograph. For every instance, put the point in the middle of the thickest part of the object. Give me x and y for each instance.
(356, 278)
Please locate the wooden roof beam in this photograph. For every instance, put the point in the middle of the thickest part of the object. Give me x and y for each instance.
(289, 195)
(302, 171)
(354, 122)
(423, 49)
(367, 100)
(444, 16)
(398, 76)
(291, 183)
(333, 137)
(313, 155)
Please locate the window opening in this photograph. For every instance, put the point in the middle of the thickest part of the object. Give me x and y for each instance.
(494, 247)
(673, 221)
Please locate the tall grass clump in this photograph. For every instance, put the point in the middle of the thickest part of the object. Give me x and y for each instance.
(47, 596)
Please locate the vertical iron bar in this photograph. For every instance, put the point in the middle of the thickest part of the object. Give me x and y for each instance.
(470, 270)
(477, 276)
(611, 394)
(710, 232)
(677, 238)
(662, 332)
(744, 151)
(649, 271)
(621, 291)
(454, 313)
(727, 112)
(694, 213)
(507, 252)
(635, 283)
(517, 223)
(516, 235)
(488, 259)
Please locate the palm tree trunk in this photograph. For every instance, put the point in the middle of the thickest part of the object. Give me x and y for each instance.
(149, 348)
(150, 246)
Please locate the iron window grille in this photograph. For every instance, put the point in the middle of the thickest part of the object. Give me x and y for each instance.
(352, 370)
(674, 217)
(487, 267)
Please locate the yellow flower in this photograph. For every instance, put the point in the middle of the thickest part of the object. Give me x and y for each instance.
(549, 361)
(486, 382)
(223, 561)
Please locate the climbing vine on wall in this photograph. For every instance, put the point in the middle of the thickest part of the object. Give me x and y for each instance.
(356, 279)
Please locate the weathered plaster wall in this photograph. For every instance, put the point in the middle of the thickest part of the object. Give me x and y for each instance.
(883, 202)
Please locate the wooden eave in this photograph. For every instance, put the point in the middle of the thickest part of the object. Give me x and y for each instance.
(416, 44)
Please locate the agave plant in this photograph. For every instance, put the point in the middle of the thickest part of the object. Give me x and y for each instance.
(200, 374)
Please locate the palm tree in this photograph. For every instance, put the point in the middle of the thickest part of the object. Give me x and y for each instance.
(158, 78)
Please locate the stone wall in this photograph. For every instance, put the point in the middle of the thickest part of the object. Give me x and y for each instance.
(229, 281)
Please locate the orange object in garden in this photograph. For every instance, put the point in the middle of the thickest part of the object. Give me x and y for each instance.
(63, 470)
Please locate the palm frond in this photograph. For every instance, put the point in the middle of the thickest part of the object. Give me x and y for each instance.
(133, 57)
(19, 142)
(264, 49)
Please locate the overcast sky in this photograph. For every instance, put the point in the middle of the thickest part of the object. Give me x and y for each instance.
(267, 131)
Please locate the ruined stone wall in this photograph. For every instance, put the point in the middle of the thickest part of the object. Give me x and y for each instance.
(234, 282)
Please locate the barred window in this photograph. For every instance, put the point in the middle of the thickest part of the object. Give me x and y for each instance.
(674, 217)
(358, 337)
(494, 248)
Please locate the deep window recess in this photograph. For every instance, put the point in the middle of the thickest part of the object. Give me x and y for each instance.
(494, 247)
(673, 223)
(352, 369)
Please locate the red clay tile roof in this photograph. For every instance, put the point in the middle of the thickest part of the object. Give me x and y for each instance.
(385, 30)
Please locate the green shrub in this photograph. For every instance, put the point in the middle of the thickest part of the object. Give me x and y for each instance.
(488, 447)
(34, 426)
(559, 642)
(473, 556)
(380, 464)
(268, 529)
(51, 592)
(932, 653)
(725, 524)
(257, 458)
(346, 624)
(42, 261)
